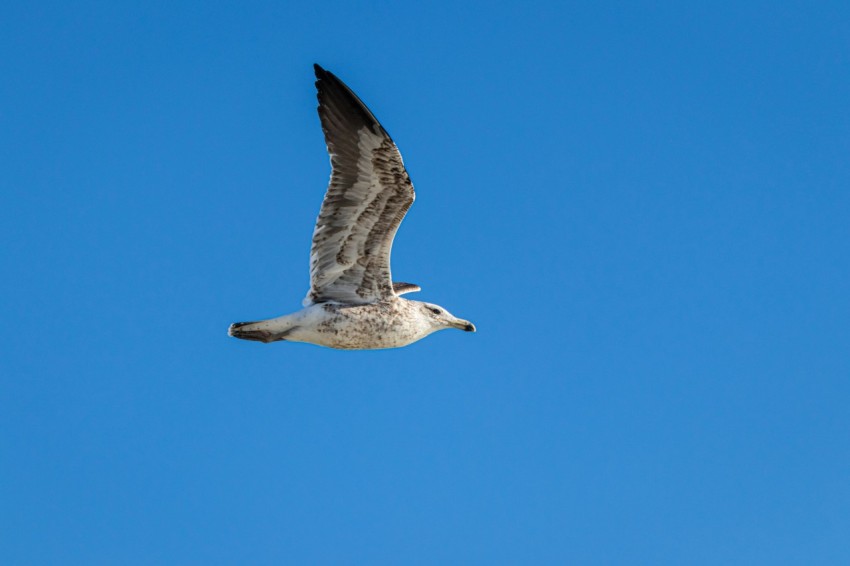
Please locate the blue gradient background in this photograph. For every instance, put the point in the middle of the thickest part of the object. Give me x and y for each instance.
(643, 207)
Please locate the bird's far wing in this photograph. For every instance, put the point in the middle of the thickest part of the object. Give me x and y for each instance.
(367, 198)
(402, 288)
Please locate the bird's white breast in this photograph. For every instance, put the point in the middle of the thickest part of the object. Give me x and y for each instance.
(388, 324)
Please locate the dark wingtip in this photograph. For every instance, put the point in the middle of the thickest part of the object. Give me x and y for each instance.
(327, 80)
(335, 94)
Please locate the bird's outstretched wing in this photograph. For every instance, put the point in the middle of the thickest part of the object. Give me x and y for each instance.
(367, 198)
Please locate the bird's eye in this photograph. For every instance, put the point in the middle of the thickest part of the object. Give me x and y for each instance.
(436, 311)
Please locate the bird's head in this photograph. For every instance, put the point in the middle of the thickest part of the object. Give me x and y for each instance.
(440, 318)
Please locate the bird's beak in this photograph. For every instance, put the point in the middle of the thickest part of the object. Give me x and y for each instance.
(464, 325)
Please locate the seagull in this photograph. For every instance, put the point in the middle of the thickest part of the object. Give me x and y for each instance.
(353, 303)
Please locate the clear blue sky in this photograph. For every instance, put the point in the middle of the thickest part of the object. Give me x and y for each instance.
(644, 208)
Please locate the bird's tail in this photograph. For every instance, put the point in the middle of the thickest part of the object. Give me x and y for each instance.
(261, 331)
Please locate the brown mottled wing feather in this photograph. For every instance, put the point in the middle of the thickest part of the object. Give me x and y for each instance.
(367, 198)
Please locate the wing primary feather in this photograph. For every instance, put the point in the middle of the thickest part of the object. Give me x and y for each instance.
(341, 103)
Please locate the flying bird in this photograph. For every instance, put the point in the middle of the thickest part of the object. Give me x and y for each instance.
(353, 302)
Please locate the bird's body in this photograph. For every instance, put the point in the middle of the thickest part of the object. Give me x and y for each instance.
(353, 303)
(387, 324)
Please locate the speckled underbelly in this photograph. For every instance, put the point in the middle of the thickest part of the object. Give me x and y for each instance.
(361, 327)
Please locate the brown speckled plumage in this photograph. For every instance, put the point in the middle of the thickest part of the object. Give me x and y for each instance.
(386, 324)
